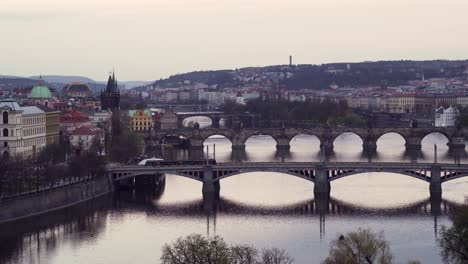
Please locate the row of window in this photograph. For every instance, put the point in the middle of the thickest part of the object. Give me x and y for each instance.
(141, 123)
(140, 128)
(25, 143)
(34, 120)
(27, 120)
(26, 131)
(33, 131)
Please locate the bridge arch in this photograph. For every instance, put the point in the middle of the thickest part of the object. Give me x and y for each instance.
(380, 139)
(220, 133)
(262, 134)
(285, 172)
(437, 135)
(348, 143)
(408, 173)
(300, 140)
(206, 120)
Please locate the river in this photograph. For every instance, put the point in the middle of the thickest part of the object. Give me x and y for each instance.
(262, 209)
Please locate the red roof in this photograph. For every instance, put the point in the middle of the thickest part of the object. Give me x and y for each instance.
(72, 116)
(86, 131)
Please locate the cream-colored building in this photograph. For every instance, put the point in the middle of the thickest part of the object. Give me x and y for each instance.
(462, 101)
(23, 129)
(401, 103)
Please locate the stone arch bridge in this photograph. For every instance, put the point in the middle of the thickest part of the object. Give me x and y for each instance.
(326, 135)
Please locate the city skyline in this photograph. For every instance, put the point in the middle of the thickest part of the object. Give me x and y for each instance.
(148, 40)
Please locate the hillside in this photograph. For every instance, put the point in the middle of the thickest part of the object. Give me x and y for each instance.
(308, 76)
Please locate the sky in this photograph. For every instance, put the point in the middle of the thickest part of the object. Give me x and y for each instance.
(153, 39)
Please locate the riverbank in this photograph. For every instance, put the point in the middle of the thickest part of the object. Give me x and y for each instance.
(45, 202)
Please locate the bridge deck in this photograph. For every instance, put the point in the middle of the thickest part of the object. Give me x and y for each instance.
(304, 165)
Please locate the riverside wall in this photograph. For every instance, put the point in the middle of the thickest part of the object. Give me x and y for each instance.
(36, 204)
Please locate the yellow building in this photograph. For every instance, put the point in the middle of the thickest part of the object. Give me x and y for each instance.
(52, 125)
(140, 120)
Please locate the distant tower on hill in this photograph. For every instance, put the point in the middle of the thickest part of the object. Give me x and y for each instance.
(290, 60)
(110, 98)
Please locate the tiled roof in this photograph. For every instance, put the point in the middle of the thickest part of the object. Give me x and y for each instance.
(86, 130)
(31, 110)
(11, 104)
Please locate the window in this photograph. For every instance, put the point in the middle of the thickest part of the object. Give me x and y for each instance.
(5, 144)
(5, 132)
(5, 117)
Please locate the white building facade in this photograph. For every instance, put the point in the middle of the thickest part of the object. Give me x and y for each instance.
(23, 129)
(446, 117)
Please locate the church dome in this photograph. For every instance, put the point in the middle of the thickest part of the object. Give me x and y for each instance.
(40, 91)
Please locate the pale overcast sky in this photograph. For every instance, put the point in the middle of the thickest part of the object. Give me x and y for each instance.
(151, 39)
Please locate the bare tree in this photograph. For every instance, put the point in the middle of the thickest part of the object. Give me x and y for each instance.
(243, 254)
(361, 247)
(196, 249)
(276, 256)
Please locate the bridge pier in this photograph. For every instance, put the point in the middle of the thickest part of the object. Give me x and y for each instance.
(215, 122)
(435, 187)
(413, 143)
(210, 186)
(238, 143)
(238, 155)
(321, 183)
(456, 143)
(283, 143)
(369, 146)
(196, 143)
(327, 147)
(322, 204)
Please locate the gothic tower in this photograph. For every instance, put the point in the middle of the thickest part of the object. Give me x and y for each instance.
(110, 98)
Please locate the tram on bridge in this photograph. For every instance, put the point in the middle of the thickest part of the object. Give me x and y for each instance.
(155, 162)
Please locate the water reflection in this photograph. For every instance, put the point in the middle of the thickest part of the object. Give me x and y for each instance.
(34, 240)
(263, 209)
(37, 240)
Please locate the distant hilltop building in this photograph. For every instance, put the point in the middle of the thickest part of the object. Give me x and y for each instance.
(110, 98)
(77, 90)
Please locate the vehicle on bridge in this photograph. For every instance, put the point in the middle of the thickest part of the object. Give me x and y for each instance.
(144, 161)
(161, 162)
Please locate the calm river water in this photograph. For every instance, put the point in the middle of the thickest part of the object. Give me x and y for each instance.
(262, 209)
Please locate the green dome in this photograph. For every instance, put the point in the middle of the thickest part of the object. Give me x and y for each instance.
(40, 92)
